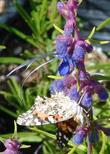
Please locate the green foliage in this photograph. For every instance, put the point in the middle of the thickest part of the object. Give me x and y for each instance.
(10, 60)
(103, 24)
(2, 47)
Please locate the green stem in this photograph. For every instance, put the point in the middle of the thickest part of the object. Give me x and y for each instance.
(104, 140)
(89, 146)
(43, 132)
(72, 150)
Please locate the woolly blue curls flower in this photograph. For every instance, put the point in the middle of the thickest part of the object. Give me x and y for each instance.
(12, 146)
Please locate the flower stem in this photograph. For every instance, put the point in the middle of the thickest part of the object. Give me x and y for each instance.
(76, 30)
(89, 150)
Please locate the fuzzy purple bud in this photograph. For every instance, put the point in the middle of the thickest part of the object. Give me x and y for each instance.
(64, 10)
(78, 54)
(12, 146)
(72, 4)
(79, 136)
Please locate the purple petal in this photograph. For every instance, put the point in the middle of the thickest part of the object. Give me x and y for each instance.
(73, 94)
(78, 54)
(79, 137)
(103, 95)
(87, 100)
(57, 85)
(64, 68)
(93, 136)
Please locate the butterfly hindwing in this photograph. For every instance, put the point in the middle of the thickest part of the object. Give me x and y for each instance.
(50, 110)
(65, 131)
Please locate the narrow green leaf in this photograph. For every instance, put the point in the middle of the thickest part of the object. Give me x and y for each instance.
(92, 33)
(24, 136)
(104, 141)
(17, 32)
(11, 60)
(44, 133)
(13, 114)
(24, 15)
(23, 146)
(55, 77)
(100, 77)
(81, 147)
(15, 130)
(104, 42)
(103, 24)
(58, 29)
(72, 150)
(43, 8)
(80, 1)
(17, 91)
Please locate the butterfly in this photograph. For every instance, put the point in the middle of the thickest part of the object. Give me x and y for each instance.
(58, 109)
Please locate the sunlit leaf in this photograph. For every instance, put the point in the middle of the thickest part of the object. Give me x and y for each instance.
(2, 47)
(103, 24)
(92, 33)
(97, 76)
(11, 60)
(58, 29)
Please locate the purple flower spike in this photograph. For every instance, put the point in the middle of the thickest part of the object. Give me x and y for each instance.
(79, 136)
(12, 146)
(64, 10)
(87, 100)
(72, 4)
(61, 46)
(64, 68)
(69, 27)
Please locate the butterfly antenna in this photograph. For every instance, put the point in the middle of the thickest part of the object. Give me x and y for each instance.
(38, 58)
(36, 69)
(17, 68)
(29, 63)
(80, 99)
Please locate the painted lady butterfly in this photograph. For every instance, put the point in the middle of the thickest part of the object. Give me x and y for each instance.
(59, 109)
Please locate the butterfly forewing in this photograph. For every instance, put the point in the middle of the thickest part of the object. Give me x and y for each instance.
(55, 109)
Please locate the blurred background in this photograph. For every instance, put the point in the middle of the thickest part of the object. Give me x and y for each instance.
(26, 32)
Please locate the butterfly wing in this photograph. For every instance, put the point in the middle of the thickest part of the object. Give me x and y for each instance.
(50, 110)
(65, 131)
